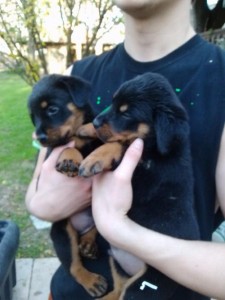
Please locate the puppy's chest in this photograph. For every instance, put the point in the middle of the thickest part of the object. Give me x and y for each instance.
(146, 165)
(89, 146)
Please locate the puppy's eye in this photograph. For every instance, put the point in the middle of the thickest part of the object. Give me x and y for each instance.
(124, 111)
(52, 110)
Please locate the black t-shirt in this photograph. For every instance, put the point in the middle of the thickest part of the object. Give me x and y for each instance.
(196, 71)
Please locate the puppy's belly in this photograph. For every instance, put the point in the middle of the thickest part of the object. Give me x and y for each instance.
(82, 221)
(128, 262)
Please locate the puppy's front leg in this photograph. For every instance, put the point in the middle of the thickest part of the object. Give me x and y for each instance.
(69, 161)
(86, 130)
(104, 158)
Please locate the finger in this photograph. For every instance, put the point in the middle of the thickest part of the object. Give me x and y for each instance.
(130, 160)
(53, 157)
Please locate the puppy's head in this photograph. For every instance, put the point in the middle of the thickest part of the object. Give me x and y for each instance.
(144, 107)
(58, 105)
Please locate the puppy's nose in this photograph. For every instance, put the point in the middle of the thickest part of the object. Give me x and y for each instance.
(42, 138)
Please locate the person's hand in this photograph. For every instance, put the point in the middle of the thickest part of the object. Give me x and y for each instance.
(50, 178)
(58, 196)
(112, 193)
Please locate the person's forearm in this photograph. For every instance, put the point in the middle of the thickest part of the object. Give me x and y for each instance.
(197, 265)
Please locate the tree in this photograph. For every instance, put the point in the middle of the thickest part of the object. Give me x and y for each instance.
(206, 18)
(69, 12)
(103, 22)
(25, 34)
(18, 30)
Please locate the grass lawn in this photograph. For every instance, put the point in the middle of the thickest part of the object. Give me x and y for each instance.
(17, 160)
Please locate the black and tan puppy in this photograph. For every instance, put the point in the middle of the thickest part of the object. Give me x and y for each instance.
(147, 107)
(58, 107)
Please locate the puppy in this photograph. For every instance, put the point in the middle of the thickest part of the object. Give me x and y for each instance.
(58, 106)
(147, 107)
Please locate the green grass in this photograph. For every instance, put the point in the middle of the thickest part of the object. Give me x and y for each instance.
(17, 161)
(16, 127)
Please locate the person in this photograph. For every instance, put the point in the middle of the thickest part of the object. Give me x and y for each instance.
(199, 265)
(159, 38)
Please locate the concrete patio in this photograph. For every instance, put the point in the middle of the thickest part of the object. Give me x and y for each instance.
(33, 278)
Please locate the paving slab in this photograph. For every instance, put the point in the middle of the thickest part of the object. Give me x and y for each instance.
(23, 278)
(33, 278)
(43, 269)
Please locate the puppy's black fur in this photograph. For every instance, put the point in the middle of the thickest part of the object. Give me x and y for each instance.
(144, 107)
(147, 107)
(58, 106)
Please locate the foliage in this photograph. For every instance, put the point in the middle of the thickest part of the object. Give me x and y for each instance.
(24, 28)
(105, 19)
(19, 30)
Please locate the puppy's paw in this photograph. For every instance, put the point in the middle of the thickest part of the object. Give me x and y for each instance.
(87, 244)
(69, 161)
(67, 167)
(96, 286)
(90, 167)
(88, 249)
(104, 158)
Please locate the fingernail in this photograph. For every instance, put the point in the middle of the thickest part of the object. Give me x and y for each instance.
(138, 144)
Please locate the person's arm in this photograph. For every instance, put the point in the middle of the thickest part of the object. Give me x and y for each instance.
(33, 183)
(53, 196)
(197, 265)
(220, 175)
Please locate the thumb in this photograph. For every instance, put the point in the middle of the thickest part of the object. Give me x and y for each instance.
(54, 155)
(130, 160)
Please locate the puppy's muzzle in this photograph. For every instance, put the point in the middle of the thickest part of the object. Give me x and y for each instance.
(42, 138)
(97, 122)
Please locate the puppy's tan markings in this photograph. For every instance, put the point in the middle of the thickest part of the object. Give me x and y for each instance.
(143, 130)
(77, 118)
(44, 104)
(132, 280)
(106, 134)
(69, 128)
(93, 283)
(124, 107)
(101, 159)
(87, 245)
(87, 130)
(119, 282)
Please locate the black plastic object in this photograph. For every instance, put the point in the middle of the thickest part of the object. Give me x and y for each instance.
(9, 241)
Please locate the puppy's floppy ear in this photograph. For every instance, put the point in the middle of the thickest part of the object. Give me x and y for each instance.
(170, 129)
(78, 88)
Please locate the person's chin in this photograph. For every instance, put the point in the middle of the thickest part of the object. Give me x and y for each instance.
(139, 10)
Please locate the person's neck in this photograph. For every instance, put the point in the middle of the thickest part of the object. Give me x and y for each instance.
(153, 38)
